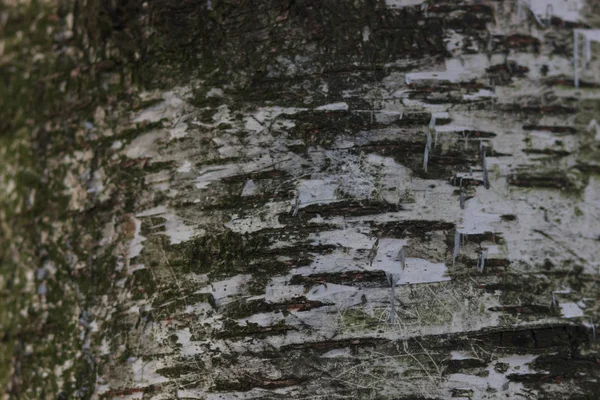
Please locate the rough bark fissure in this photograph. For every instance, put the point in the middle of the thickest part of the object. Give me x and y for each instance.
(227, 199)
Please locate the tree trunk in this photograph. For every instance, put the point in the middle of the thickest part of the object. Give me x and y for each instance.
(299, 199)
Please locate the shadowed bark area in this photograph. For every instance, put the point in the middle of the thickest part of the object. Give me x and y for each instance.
(298, 200)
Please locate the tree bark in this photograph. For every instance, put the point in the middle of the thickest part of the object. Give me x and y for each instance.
(299, 199)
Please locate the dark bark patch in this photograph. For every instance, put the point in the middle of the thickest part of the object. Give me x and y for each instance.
(410, 228)
(556, 181)
(565, 130)
(325, 346)
(523, 309)
(519, 41)
(245, 308)
(232, 330)
(248, 383)
(348, 208)
(350, 278)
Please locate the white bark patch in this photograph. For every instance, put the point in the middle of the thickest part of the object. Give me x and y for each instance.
(135, 267)
(175, 228)
(258, 121)
(333, 107)
(316, 191)
(456, 70)
(144, 372)
(457, 355)
(171, 107)
(366, 33)
(416, 270)
(136, 246)
(267, 217)
(250, 188)
(144, 145)
(208, 174)
(347, 238)
(567, 10)
(335, 293)
(403, 3)
(188, 347)
(185, 167)
(221, 290)
(191, 394)
(571, 310)
(178, 131)
(475, 220)
(480, 94)
(215, 92)
(338, 353)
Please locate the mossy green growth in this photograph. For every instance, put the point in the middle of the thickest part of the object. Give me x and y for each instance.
(356, 320)
(48, 92)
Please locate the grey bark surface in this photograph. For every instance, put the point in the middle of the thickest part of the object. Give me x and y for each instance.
(232, 199)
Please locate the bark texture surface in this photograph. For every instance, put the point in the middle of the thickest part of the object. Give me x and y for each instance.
(232, 199)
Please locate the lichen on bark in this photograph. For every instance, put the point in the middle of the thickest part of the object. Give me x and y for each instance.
(209, 199)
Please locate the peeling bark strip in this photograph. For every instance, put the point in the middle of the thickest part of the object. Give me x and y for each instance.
(299, 200)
